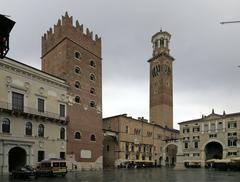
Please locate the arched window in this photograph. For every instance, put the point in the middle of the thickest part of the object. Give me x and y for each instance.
(93, 138)
(77, 135)
(62, 133)
(77, 99)
(161, 42)
(156, 44)
(6, 125)
(77, 84)
(41, 130)
(92, 63)
(77, 70)
(92, 91)
(92, 77)
(28, 129)
(77, 55)
(92, 104)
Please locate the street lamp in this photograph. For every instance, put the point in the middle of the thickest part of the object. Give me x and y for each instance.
(6, 26)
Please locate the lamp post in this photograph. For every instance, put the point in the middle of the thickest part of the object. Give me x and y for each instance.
(6, 26)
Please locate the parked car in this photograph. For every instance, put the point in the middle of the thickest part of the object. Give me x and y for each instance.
(24, 172)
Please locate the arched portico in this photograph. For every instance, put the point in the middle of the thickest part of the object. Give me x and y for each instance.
(17, 157)
(170, 151)
(213, 149)
(12, 152)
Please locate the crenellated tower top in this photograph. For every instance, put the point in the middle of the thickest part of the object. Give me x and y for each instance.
(65, 29)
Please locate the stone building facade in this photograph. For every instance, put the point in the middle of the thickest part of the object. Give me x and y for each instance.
(215, 136)
(128, 140)
(73, 54)
(32, 115)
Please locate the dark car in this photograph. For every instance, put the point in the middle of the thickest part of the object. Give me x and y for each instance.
(24, 172)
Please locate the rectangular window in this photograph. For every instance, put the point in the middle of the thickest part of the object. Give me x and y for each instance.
(62, 155)
(132, 148)
(232, 124)
(41, 155)
(232, 153)
(196, 154)
(213, 126)
(195, 137)
(17, 101)
(232, 142)
(126, 129)
(195, 145)
(213, 136)
(186, 145)
(62, 110)
(196, 129)
(126, 156)
(127, 147)
(186, 130)
(205, 127)
(220, 125)
(40, 105)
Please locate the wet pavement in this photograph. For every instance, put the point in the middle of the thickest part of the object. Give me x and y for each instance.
(142, 175)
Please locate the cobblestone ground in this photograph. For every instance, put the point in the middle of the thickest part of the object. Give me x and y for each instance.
(141, 175)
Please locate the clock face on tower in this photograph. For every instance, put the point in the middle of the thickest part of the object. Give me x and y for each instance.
(160, 69)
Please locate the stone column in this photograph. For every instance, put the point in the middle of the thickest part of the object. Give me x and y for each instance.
(6, 149)
(216, 126)
(223, 126)
(202, 158)
(164, 159)
(179, 157)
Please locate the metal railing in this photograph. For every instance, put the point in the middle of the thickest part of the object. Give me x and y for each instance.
(30, 110)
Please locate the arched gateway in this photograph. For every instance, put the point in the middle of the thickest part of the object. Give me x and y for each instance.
(17, 157)
(170, 151)
(213, 150)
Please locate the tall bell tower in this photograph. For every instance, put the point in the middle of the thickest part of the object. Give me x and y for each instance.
(161, 82)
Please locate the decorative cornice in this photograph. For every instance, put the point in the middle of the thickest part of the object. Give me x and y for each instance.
(161, 55)
(14, 68)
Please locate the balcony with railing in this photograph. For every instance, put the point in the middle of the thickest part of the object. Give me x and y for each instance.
(31, 112)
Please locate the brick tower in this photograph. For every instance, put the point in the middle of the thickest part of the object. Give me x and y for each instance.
(73, 54)
(161, 84)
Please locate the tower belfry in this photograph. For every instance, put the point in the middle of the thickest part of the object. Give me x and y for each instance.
(161, 83)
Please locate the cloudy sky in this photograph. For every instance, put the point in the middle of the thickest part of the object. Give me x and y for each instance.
(206, 73)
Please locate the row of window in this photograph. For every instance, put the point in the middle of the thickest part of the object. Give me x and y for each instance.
(143, 148)
(78, 100)
(18, 104)
(6, 128)
(231, 125)
(197, 154)
(6, 125)
(91, 76)
(78, 86)
(195, 145)
(78, 56)
(137, 157)
(138, 132)
(194, 154)
(78, 136)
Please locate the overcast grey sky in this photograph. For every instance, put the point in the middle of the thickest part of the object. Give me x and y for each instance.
(206, 53)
